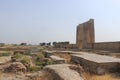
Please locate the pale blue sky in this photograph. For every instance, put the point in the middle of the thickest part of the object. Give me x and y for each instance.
(35, 21)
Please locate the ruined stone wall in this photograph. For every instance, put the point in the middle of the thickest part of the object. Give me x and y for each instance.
(110, 46)
(85, 39)
(66, 46)
(85, 34)
(107, 46)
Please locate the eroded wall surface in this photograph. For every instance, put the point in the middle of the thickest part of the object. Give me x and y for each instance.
(85, 34)
(107, 46)
(66, 46)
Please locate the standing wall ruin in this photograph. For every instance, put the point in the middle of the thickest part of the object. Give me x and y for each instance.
(85, 34)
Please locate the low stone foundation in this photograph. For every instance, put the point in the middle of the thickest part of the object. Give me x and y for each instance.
(97, 64)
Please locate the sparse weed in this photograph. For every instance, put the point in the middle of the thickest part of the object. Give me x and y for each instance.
(18, 56)
(4, 54)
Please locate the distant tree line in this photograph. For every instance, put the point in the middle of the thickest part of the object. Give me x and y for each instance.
(2, 44)
(45, 44)
(54, 43)
(23, 44)
(66, 42)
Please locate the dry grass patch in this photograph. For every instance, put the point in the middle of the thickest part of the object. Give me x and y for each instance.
(43, 76)
(89, 76)
(66, 56)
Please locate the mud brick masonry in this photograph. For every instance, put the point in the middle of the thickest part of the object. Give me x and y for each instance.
(85, 34)
(85, 39)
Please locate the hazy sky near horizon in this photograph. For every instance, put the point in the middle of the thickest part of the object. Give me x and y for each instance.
(35, 21)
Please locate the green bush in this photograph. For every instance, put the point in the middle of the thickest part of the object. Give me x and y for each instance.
(18, 56)
(40, 57)
(49, 62)
(28, 52)
(44, 63)
(2, 44)
(25, 60)
(39, 63)
(4, 54)
(41, 49)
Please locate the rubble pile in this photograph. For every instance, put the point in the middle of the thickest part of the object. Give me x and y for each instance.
(16, 67)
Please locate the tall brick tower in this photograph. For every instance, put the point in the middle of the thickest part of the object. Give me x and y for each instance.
(85, 34)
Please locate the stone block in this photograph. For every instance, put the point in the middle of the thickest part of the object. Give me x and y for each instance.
(63, 72)
(57, 60)
(97, 64)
